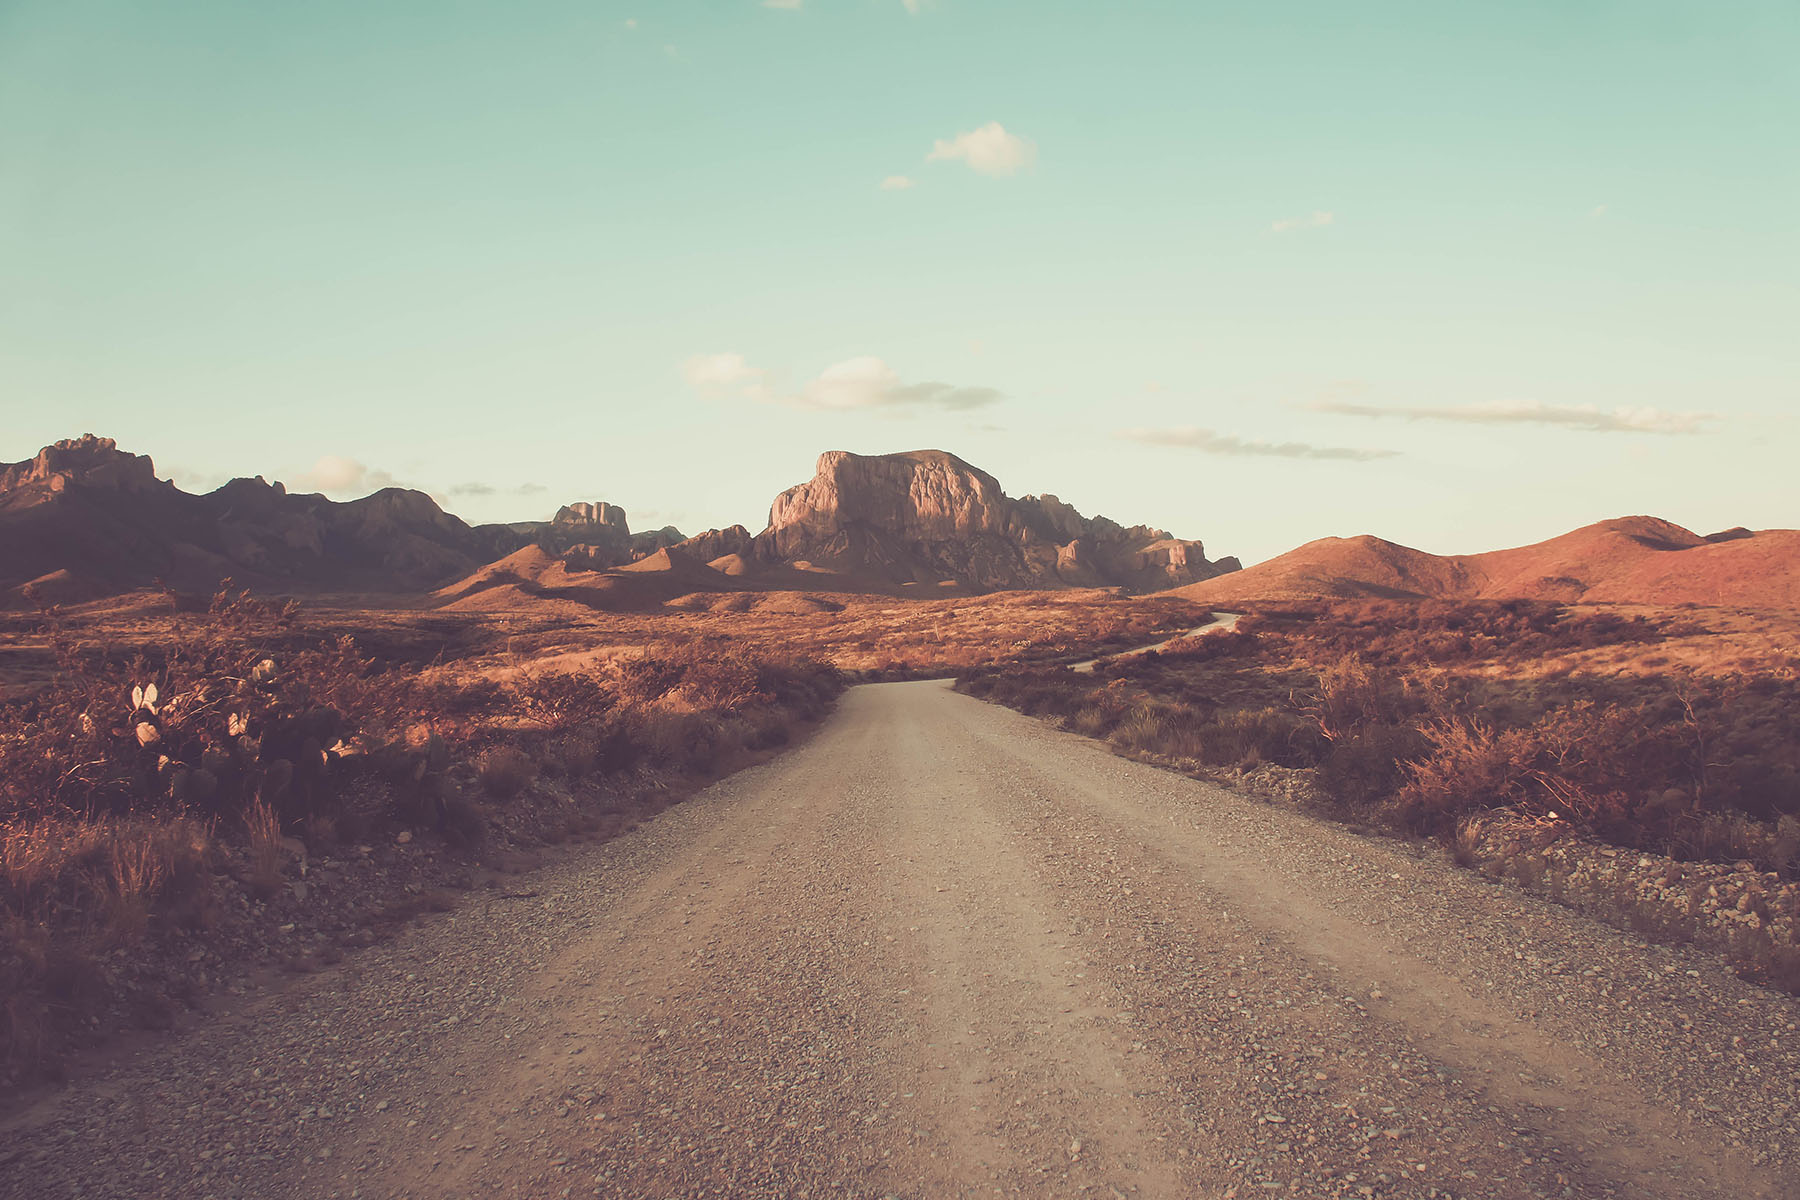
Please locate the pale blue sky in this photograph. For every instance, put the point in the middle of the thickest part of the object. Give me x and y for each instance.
(1535, 263)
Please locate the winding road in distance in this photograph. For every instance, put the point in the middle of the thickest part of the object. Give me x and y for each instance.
(941, 949)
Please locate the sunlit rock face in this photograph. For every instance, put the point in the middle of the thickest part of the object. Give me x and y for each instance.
(929, 517)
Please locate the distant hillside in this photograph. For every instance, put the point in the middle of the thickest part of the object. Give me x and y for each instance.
(1631, 560)
(84, 519)
(922, 523)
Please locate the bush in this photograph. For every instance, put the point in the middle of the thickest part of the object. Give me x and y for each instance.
(504, 771)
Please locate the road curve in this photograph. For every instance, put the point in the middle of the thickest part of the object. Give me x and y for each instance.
(1222, 622)
(940, 950)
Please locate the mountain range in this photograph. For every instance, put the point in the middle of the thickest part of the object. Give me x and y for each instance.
(84, 519)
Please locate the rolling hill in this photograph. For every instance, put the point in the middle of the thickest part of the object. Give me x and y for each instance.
(1630, 560)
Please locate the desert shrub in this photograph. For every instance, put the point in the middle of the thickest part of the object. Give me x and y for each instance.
(1353, 693)
(1093, 720)
(504, 771)
(558, 699)
(463, 823)
(580, 753)
(682, 741)
(766, 729)
(1232, 643)
(1247, 736)
(1365, 765)
(1149, 725)
(263, 827)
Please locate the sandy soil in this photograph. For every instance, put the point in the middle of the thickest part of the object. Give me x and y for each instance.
(943, 950)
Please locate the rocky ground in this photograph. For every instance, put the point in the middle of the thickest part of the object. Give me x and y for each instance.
(941, 949)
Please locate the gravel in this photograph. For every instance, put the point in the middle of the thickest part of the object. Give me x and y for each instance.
(941, 949)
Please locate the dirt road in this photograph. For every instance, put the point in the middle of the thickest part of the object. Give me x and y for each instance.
(942, 950)
(1221, 623)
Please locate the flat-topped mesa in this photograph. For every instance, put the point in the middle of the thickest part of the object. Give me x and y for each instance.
(927, 516)
(87, 461)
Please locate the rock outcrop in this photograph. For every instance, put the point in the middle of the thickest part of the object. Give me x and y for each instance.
(86, 461)
(588, 535)
(717, 543)
(928, 517)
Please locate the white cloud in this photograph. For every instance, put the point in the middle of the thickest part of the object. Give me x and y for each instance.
(991, 150)
(335, 473)
(631, 22)
(1598, 211)
(1583, 417)
(912, 6)
(1208, 441)
(1315, 221)
(789, 5)
(896, 183)
(720, 370)
(727, 374)
(868, 382)
(477, 488)
(862, 382)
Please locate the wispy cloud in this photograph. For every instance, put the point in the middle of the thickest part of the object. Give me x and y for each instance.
(727, 372)
(990, 150)
(868, 382)
(1317, 220)
(1208, 441)
(788, 5)
(912, 6)
(1585, 418)
(896, 183)
(488, 489)
(335, 473)
(1599, 210)
(864, 382)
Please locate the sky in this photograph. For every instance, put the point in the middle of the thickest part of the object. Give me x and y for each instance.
(1461, 275)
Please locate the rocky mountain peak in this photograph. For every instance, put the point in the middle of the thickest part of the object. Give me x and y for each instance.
(86, 461)
(584, 512)
(926, 516)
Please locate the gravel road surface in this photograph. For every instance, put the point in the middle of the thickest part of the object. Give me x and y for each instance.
(941, 949)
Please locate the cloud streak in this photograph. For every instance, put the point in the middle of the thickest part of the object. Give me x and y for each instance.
(1208, 441)
(476, 488)
(1585, 418)
(866, 382)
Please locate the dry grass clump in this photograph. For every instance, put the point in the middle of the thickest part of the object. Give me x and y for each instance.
(71, 890)
(504, 771)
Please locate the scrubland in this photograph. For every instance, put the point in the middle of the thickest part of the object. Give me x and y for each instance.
(1644, 764)
(167, 785)
(190, 787)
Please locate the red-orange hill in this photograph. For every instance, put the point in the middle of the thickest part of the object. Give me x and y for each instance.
(1631, 560)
